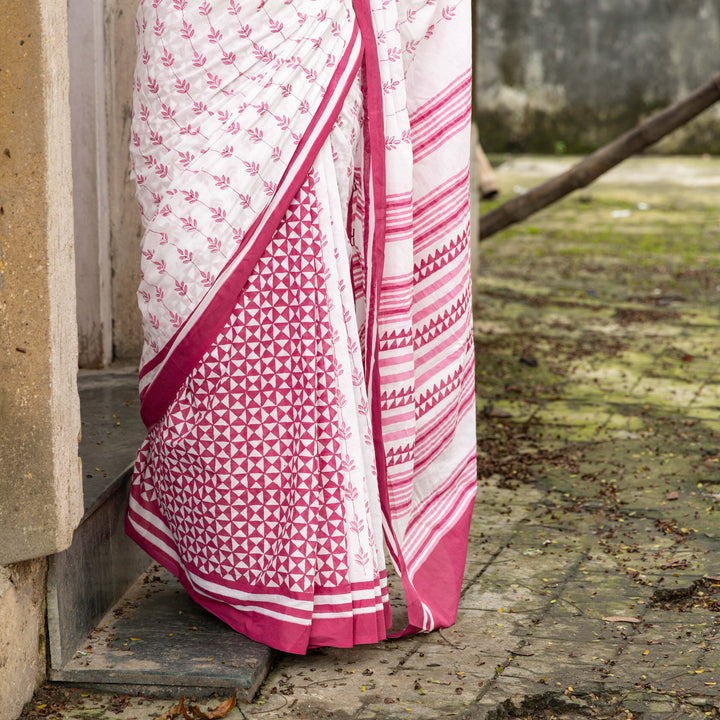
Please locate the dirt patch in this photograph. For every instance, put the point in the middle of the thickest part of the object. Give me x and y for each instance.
(704, 593)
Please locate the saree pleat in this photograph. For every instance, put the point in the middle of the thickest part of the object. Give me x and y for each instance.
(307, 373)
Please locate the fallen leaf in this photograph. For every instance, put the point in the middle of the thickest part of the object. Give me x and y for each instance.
(621, 618)
(219, 712)
(522, 653)
(674, 495)
(174, 712)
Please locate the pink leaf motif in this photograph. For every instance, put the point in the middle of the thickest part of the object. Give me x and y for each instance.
(330, 61)
(234, 128)
(381, 37)
(185, 256)
(302, 17)
(294, 62)
(144, 295)
(205, 9)
(275, 26)
(234, 8)
(187, 30)
(182, 86)
(238, 235)
(335, 28)
(223, 116)
(304, 107)
(430, 31)
(167, 113)
(411, 46)
(154, 321)
(189, 223)
(199, 60)
(186, 158)
(159, 294)
(244, 201)
(167, 58)
(357, 526)
(152, 86)
(159, 28)
(251, 168)
(269, 187)
(165, 210)
(391, 142)
(351, 493)
(214, 81)
(362, 557)
(160, 266)
(228, 57)
(394, 54)
(148, 254)
(262, 108)
(255, 134)
(245, 31)
(214, 244)
(322, 16)
(145, 57)
(310, 75)
(199, 107)
(296, 138)
(263, 54)
(449, 12)
(218, 214)
(161, 170)
(180, 4)
(144, 113)
(357, 378)
(155, 138)
(181, 288)
(227, 151)
(222, 181)
(276, 154)
(191, 196)
(175, 320)
(390, 85)
(283, 122)
(206, 278)
(157, 199)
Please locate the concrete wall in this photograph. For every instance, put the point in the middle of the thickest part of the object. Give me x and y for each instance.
(40, 484)
(570, 75)
(125, 228)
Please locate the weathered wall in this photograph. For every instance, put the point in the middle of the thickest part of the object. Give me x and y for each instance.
(125, 229)
(22, 640)
(40, 488)
(570, 75)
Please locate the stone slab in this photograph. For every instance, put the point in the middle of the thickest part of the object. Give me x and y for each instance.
(158, 642)
(112, 429)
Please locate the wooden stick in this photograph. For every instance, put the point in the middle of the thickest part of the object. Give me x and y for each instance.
(640, 137)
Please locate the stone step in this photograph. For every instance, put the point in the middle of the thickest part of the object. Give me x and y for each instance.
(100, 597)
(158, 642)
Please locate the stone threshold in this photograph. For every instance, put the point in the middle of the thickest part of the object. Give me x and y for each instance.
(113, 624)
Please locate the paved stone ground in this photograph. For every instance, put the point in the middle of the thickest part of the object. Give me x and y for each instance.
(593, 577)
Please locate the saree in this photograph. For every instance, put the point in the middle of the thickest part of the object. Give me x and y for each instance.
(307, 372)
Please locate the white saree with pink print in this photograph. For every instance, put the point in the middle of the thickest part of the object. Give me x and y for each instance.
(307, 374)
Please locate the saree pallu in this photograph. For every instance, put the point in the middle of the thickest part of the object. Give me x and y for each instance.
(307, 374)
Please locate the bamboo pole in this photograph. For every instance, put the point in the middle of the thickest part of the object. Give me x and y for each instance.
(640, 137)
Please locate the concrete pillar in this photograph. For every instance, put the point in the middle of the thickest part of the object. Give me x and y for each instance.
(40, 484)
